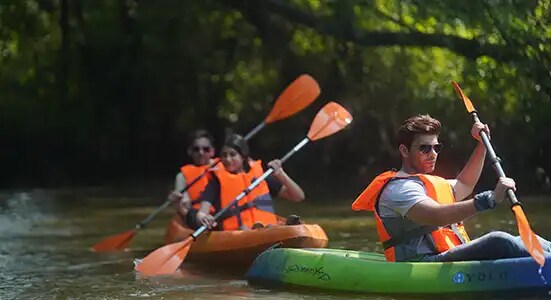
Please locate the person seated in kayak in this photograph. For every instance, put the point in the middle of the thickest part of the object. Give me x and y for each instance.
(201, 150)
(419, 216)
(238, 172)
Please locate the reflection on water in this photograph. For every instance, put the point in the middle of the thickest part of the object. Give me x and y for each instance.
(45, 240)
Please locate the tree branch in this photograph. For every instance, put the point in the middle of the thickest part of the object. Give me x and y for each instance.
(397, 21)
(469, 48)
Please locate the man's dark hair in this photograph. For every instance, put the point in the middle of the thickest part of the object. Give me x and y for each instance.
(420, 124)
(200, 133)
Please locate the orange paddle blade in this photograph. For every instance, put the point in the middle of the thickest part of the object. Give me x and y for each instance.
(115, 242)
(466, 100)
(330, 119)
(165, 260)
(299, 94)
(529, 238)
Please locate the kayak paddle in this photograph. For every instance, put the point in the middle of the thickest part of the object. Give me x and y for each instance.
(298, 95)
(167, 259)
(528, 237)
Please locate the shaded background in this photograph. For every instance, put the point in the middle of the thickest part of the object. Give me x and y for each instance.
(105, 92)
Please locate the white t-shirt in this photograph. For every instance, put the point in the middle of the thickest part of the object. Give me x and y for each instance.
(399, 196)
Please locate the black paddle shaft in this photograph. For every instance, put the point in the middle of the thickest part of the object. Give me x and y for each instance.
(495, 161)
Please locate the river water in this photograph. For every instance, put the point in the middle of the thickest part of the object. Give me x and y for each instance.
(46, 235)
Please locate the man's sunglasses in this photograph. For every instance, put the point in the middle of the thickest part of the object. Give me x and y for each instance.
(428, 148)
(196, 149)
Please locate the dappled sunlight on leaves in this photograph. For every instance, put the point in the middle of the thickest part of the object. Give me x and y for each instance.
(141, 75)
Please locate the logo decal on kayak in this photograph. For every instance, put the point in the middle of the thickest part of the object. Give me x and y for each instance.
(460, 277)
(319, 273)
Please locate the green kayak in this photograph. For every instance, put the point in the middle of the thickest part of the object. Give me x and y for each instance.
(354, 271)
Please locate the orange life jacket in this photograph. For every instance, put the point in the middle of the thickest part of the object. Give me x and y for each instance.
(255, 207)
(437, 188)
(190, 172)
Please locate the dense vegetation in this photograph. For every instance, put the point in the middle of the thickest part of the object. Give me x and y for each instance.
(92, 91)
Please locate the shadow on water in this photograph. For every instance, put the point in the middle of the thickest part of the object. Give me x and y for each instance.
(45, 240)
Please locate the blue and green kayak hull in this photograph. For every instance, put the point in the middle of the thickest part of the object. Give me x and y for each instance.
(354, 271)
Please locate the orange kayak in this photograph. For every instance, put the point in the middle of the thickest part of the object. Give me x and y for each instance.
(241, 247)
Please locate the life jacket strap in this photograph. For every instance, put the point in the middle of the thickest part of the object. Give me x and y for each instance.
(236, 210)
(458, 233)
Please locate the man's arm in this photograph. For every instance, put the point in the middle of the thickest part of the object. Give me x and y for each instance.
(409, 199)
(465, 182)
(468, 177)
(430, 212)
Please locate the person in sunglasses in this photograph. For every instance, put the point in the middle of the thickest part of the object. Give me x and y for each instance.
(238, 172)
(201, 151)
(419, 216)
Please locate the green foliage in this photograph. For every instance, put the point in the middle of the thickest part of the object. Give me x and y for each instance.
(114, 92)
